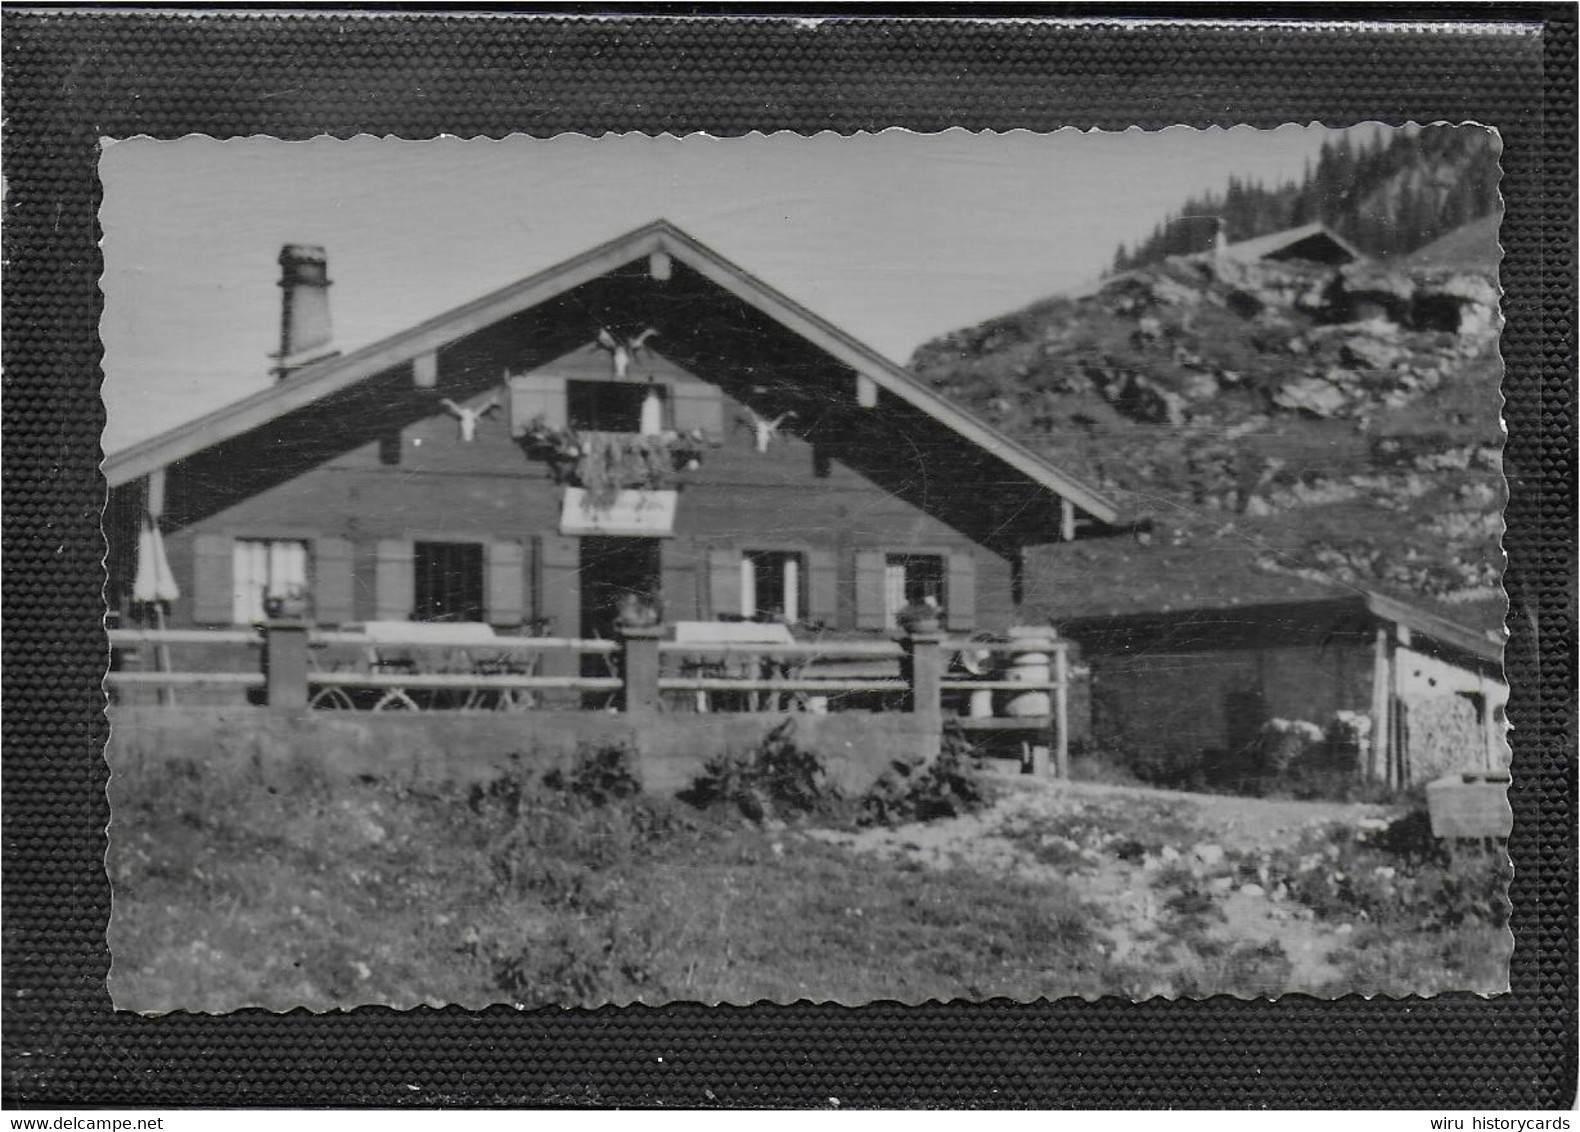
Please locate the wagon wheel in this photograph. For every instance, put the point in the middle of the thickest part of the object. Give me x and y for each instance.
(516, 699)
(493, 699)
(396, 699)
(331, 699)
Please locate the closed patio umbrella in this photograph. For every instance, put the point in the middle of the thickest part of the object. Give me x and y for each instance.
(155, 585)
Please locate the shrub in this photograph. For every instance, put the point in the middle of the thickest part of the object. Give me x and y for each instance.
(1397, 877)
(921, 790)
(1287, 759)
(1169, 767)
(778, 780)
(598, 776)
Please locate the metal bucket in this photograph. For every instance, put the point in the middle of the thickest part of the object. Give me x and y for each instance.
(977, 660)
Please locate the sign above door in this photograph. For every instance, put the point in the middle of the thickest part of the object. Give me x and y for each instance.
(629, 513)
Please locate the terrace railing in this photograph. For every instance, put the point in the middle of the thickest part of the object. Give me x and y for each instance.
(421, 666)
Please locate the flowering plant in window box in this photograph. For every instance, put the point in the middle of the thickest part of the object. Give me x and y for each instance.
(606, 463)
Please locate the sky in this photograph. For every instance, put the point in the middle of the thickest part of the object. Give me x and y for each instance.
(895, 237)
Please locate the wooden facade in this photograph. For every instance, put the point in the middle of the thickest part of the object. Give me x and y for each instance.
(357, 469)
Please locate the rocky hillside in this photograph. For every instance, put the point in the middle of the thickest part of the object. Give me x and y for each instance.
(1278, 426)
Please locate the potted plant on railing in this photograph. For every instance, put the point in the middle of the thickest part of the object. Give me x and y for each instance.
(637, 611)
(292, 605)
(922, 616)
(604, 464)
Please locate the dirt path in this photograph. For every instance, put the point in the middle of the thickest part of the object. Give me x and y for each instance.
(1175, 871)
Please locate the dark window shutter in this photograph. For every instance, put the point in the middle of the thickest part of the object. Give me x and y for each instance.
(213, 579)
(557, 593)
(681, 561)
(395, 592)
(871, 612)
(537, 395)
(960, 592)
(697, 405)
(506, 583)
(333, 582)
(724, 582)
(822, 586)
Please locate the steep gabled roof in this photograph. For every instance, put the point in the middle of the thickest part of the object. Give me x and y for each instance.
(1470, 247)
(1270, 245)
(325, 378)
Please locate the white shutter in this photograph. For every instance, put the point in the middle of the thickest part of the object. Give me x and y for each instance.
(792, 587)
(748, 586)
(893, 593)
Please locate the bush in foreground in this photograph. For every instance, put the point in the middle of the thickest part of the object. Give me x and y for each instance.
(777, 780)
(921, 790)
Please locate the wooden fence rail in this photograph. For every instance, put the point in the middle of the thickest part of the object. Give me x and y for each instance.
(912, 671)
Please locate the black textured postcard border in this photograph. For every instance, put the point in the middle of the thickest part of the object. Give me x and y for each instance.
(73, 77)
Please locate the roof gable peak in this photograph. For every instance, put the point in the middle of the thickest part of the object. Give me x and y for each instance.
(662, 242)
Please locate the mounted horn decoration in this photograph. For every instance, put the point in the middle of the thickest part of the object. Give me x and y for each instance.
(764, 429)
(622, 352)
(468, 417)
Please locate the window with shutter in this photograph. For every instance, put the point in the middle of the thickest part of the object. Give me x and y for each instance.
(771, 585)
(448, 581)
(616, 406)
(334, 584)
(534, 396)
(912, 579)
(265, 568)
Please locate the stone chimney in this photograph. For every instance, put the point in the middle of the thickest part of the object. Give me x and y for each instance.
(305, 333)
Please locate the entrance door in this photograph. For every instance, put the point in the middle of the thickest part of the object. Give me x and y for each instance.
(611, 568)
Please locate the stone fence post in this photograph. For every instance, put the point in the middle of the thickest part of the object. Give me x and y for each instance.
(639, 669)
(285, 664)
(922, 669)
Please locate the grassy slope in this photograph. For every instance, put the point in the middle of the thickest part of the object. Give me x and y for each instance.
(286, 890)
(1399, 492)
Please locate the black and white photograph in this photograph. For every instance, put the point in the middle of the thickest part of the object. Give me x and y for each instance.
(896, 566)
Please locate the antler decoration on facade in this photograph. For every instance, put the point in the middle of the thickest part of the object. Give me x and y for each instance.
(468, 417)
(623, 351)
(763, 428)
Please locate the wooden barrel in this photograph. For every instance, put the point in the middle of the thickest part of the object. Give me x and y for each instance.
(1030, 667)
